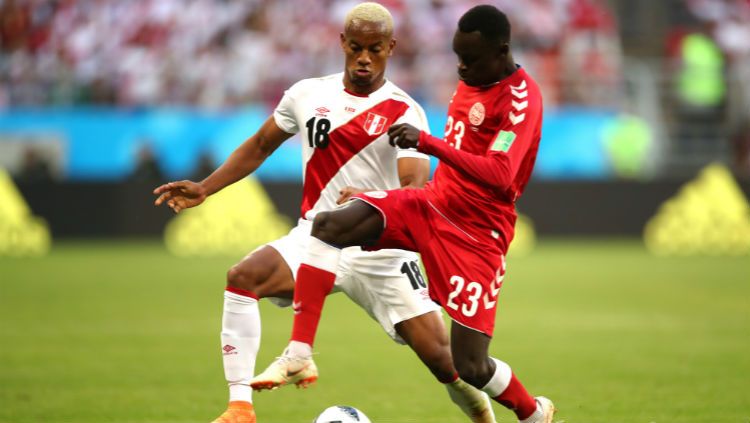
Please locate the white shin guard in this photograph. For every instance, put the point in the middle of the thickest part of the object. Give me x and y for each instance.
(500, 379)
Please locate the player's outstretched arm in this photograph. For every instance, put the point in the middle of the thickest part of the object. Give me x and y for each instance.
(242, 162)
(496, 170)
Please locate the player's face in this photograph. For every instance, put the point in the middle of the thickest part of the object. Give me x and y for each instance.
(480, 62)
(367, 47)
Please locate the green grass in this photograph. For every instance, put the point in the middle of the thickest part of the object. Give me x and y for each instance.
(104, 332)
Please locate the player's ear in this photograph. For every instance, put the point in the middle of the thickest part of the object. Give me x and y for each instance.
(342, 40)
(503, 49)
(391, 46)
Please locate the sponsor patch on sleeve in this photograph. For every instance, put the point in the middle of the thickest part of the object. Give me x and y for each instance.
(503, 141)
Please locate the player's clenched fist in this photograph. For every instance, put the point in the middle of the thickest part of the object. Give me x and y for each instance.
(403, 135)
(180, 195)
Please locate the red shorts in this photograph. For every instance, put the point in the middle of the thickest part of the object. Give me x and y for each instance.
(464, 274)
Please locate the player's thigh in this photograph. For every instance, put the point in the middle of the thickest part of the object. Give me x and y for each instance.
(390, 289)
(263, 272)
(426, 336)
(404, 216)
(464, 277)
(355, 223)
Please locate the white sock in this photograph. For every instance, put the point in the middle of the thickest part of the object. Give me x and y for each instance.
(500, 380)
(473, 402)
(535, 416)
(240, 340)
(321, 255)
(298, 349)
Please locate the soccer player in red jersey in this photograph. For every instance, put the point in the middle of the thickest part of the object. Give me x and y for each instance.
(462, 222)
(343, 122)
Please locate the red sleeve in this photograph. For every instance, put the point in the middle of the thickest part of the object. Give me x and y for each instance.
(500, 164)
(492, 170)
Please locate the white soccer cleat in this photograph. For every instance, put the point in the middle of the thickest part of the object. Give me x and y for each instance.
(548, 409)
(286, 370)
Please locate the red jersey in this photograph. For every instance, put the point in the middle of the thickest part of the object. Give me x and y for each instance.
(486, 158)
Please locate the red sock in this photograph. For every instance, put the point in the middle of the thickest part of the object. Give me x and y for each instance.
(312, 287)
(517, 399)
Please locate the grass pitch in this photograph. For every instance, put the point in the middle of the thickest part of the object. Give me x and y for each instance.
(105, 332)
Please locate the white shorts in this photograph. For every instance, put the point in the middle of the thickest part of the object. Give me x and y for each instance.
(387, 284)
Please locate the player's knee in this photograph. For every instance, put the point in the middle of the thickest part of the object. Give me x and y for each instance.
(243, 278)
(474, 372)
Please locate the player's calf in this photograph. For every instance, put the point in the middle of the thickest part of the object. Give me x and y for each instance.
(475, 371)
(426, 335)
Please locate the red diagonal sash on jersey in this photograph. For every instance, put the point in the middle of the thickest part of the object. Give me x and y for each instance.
(345, 142)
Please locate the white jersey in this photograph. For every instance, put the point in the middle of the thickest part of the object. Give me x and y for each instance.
(345, 142)
(344, 137)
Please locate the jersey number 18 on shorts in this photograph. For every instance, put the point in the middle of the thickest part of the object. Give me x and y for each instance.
(411, 270)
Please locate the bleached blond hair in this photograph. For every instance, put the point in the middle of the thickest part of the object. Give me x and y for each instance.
(370, 12)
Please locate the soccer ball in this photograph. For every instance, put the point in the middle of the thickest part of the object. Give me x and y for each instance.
(341, 414)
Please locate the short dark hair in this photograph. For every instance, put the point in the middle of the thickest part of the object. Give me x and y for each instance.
(491, 23)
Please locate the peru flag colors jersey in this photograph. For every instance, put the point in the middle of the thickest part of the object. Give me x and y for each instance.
(345, 137)
(503, 119)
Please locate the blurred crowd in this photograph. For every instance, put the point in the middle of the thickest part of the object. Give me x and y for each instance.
(224, 53)
(711, 52)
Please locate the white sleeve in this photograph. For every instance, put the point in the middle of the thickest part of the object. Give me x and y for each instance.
(284, 115)
(416, 117)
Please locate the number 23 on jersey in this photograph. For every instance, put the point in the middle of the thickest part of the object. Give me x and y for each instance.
(467, 297)
(456, 128)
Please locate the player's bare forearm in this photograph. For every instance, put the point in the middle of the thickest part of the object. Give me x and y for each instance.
(241, 163)
(180, 195)
(247, 157)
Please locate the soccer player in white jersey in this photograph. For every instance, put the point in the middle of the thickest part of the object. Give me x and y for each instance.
(343, 120)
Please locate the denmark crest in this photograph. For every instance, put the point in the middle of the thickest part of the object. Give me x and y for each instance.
(375, 124)
(476, 114)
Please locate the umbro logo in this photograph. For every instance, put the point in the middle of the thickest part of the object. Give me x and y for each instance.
(229, 349)
(322, 111)
(297, 306)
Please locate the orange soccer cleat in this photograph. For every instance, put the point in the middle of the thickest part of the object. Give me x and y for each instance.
(237, 412)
